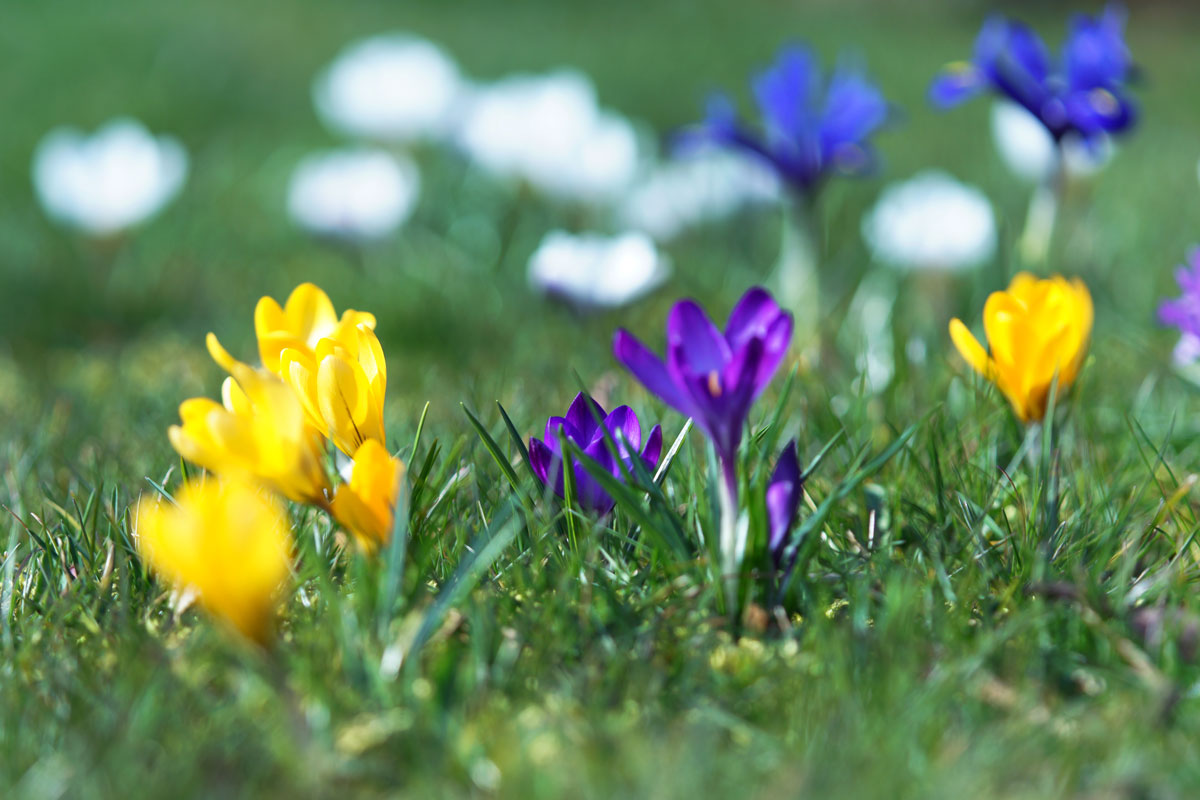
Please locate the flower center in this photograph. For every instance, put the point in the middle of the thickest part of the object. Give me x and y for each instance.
(714, 383)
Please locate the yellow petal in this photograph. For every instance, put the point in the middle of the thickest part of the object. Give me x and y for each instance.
(310, 313)
(969, 347)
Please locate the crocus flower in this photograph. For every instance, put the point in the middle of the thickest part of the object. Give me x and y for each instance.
(931, 222)
(392, 87)
(593, 270)
(353, 195)
(259, 433)
(582, 428)
(1081, 92)
(710, 376)
(784, 492)
(1183, 312)
(811, 126)
(366, 505)
(549, 132)
(223, 539)
(341, 385)
(1037, 330)
(304, 320)
(110, 181)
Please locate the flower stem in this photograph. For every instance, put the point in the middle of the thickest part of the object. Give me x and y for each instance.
(796, 273)
(1034, 245)
(730, 546)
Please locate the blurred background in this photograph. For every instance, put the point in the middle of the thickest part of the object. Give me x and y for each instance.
(97, 331)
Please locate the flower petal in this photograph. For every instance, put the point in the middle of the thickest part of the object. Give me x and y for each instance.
(650, 370)
(969, 347)
(699, 342)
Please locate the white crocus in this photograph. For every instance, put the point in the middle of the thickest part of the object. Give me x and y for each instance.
(389, 88)
(1028, 150)
(931, 221)
(596, 270)
(357, 195)
(549, 132)
(110, 181)
(700, 186)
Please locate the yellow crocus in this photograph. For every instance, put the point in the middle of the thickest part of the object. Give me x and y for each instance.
(304, 320)
(261, 432)
(225, 540)
(367, 504)
(341, 385)
(1036, 330)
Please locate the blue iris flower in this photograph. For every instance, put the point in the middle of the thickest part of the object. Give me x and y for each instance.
(1082, 92)
(811, 127)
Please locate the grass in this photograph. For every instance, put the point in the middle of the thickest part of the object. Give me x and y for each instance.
(1024, 632)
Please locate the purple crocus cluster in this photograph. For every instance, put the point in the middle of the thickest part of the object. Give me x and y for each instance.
(810, 126)
(585, 425)
(1183, 312)
(1081, 92)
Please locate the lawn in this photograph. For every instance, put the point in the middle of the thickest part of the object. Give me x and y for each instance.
(974, 617)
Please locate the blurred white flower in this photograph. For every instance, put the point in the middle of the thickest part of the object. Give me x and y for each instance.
(596, 270)
(394, 87)
(353, 194)
(704, 185)
(548, 131)
(931, 221)
(1028, 149)
(110, 181)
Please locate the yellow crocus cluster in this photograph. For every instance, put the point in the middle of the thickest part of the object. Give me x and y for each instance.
(322, 378)
(1037, 330)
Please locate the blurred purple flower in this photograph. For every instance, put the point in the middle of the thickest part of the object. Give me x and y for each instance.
(710, 376)
(1184, 311)
(580, 426)
(1081, 92)
(784, 491)
(810, 127)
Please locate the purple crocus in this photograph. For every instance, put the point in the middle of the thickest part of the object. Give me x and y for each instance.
(784, 491)
(1183, 312)
(582, 428)
(1081, 92)
(710, 376)
(810, 127)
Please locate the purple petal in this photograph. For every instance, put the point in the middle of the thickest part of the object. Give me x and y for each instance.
(783, 499)
(582, 418)
(786, 94)
(775, 347)
(650, 370)
(556, 424)
(691, 334)
(624, 427)
(751, 317)
(1095, 53)
(590, 493)
(653, 449)
(543, 460)
(854, 109)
